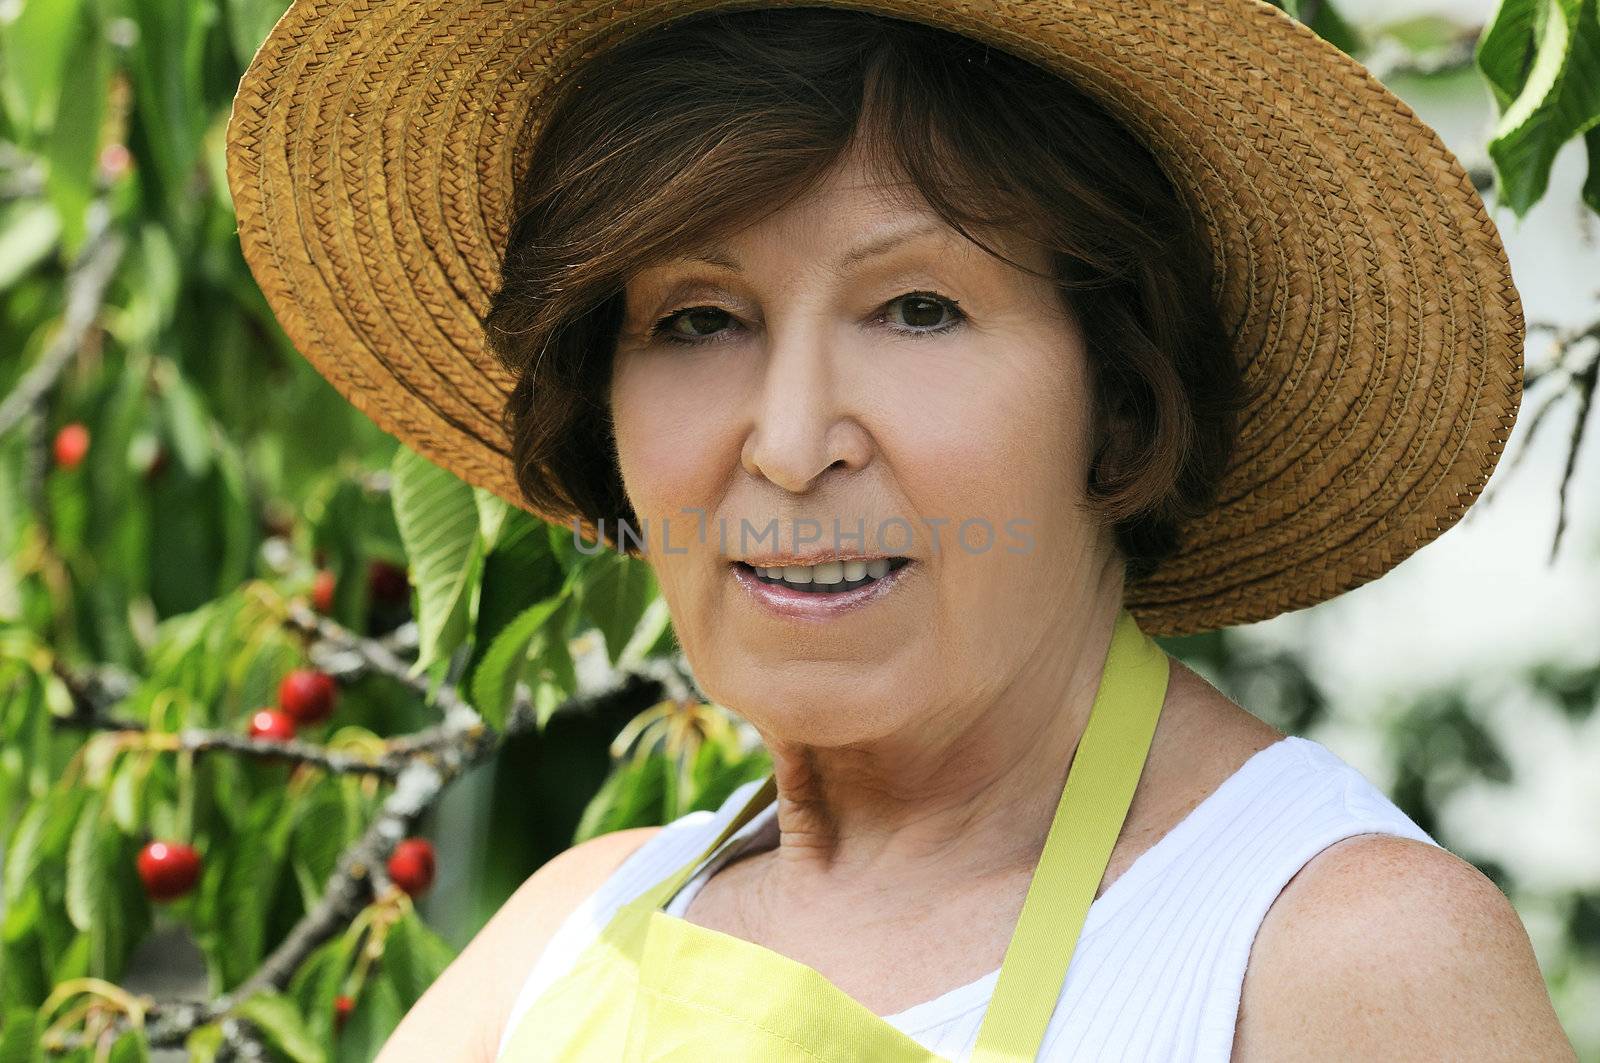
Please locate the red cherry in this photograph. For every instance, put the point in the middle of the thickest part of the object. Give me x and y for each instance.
(72, 443)
(322, 591)
(342, 1007)
(411, 865)
(387, 582)
(168, 869)
(271, 723)
(307, 695)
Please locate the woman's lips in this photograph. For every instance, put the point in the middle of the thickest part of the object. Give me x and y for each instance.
(791, 604)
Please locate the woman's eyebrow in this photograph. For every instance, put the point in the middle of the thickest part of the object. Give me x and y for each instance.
(870, 248)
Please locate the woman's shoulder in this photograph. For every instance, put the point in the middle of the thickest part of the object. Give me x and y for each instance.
(1406, 951)
(568, 900)
(473, 1003)
(1385, 914)
(465, 1009)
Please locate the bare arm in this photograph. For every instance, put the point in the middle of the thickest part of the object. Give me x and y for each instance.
(1385, 948)
(463, 1013)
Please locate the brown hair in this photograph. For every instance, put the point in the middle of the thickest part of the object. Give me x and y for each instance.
(707, 124)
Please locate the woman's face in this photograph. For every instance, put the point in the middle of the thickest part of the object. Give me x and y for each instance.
(909, 390)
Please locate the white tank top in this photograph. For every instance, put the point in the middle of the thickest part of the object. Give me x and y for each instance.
(1161, 958)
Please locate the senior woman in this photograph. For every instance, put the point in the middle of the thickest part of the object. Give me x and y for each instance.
(942, 354)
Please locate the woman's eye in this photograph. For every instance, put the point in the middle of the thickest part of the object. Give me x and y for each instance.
(921, 314)
(700, 321)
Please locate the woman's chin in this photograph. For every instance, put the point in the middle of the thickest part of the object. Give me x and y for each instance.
(820, 714)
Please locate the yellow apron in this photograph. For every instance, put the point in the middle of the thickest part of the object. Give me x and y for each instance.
(656, 987)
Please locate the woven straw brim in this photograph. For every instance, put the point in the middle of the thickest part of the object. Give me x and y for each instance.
(374, 146)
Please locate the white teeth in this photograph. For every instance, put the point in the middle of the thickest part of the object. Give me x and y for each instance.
(829, 572)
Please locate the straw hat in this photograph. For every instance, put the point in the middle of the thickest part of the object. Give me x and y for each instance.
(373, 149)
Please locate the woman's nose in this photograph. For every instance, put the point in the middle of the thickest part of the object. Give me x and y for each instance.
(804, 422)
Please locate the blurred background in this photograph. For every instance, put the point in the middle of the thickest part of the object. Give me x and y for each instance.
(248, 643)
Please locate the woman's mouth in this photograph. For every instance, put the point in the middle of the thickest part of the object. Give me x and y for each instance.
(823, 590)
(829, 577)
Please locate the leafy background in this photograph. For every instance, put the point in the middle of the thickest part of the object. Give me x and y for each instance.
(528, 695)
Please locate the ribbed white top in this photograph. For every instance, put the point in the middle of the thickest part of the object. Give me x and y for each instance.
(1160, 963)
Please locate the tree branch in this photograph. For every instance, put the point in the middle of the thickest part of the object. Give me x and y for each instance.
(86, 289)
(422, 765)
(200, 741)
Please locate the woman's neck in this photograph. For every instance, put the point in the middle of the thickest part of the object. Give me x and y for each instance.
(966, 800)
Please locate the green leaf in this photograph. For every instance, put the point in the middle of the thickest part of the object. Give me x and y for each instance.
(438, 521)
(519, 570)
(34, 46)
(87, 873)
(492, 511)
(249, 22)
(18, 1036)
(653, 633)
(165, 65)
(203, 1043)
(281, 1025)
(29, 230)
(25, 850)
(634, 795)
(74, 149)
(131, 1047)
(236, 896)
(666, 643)
(65, 807)
(21, 915)
(188, 421)
(565, 545)
(1505, 50)
(236, 520)
(128, 913)
(550, 658)
(1544, 102)
(547, 698)
(717, 770)
(377, 1012)
(414, 957)
(319, 981)
(74, 960)
(616, 592)
(126, 792)
(322, 830)
(1327, 23)
(152, 305)
(495, 679)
